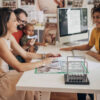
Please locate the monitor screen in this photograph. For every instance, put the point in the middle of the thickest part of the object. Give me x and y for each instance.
(72, 22)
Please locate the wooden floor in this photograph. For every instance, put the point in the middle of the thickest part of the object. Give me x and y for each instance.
(63, 96)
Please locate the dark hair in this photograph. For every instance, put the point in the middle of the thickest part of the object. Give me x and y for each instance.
(19, 11)
(4, 18)
(96, 8)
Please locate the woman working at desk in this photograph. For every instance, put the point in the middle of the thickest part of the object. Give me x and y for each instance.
(8, 79)
(94, 40)
(95, 36)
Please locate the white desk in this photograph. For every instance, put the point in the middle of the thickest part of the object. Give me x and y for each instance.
(47, 83)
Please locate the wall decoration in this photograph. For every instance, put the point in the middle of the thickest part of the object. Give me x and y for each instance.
(75, 3)
(90, 1)
(10, 3)
(27, 2)
(47, 6)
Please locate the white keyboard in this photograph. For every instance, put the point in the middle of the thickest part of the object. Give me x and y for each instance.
(77, 53)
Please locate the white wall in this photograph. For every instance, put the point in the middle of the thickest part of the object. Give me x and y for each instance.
(90, 22)
(0, 3)
(18, 3)
(85, 4)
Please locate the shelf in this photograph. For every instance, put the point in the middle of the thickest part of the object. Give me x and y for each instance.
(10, 3)
(9, 6)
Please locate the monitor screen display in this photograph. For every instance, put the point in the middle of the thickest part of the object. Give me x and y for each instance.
(72, 21)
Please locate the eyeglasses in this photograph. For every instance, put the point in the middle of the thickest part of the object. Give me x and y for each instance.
(23, 21)
(96, 17)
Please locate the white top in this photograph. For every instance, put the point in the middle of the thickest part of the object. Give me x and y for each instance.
(4, 65)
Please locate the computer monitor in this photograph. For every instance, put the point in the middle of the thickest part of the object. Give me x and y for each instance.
(72, 25)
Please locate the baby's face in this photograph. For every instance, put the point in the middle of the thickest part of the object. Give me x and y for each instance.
(29, 31)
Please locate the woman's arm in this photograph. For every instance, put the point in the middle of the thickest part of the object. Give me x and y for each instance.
(7, 56)
(56, 1)
(20, 51)
(26, 55)
(82, 47)
(94, 54)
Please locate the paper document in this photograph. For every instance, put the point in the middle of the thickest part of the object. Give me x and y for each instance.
(74, 21)
(54, 67)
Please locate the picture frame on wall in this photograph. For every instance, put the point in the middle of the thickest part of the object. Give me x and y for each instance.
(75, 3)
(9, 3)
(78, 3)
(27, 2)
(96, 2)
(90, 1)
(70, 3)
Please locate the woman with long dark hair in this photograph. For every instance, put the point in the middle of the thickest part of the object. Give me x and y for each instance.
(8, 79)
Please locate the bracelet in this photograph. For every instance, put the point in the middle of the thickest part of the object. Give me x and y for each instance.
(43, 56)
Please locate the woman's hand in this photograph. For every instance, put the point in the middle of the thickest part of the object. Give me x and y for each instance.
(67, 49)
(94, 54)
(47, 61)
(52, 55)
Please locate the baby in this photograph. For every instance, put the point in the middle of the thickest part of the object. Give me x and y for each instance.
(29, 39)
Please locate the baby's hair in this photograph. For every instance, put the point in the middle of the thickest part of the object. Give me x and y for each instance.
(28, 25)
(96, 8)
